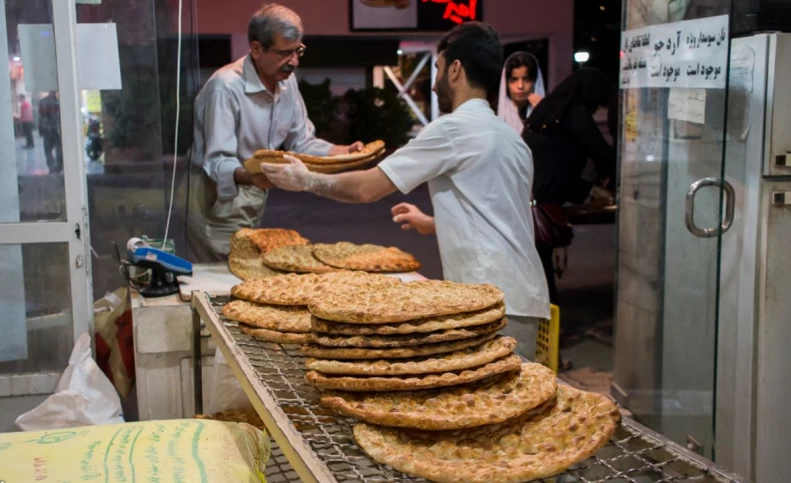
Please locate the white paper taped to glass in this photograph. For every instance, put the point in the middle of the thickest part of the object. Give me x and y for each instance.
(691, 54)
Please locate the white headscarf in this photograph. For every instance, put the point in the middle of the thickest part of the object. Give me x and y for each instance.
(506, 108)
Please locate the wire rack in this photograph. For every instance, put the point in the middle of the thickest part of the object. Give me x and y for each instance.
(635, 454)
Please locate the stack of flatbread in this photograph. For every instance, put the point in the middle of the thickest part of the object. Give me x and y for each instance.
(274, 309)
(440, 394)
(266, 252)
(318, 164)
(249, 245)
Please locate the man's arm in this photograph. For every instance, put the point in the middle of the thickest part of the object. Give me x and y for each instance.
(355, 187)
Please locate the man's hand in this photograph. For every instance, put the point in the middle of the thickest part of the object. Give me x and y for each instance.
(293, 176)
(242, 177)
(534, 99)
(413, 219)
(350, 149)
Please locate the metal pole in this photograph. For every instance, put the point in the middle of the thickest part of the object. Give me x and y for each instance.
(197, 366)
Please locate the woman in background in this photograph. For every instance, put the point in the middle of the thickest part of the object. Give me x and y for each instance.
(521, 89)
(562, 136)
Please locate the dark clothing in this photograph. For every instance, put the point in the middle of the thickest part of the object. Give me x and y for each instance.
(549, 272)
(52, 143)
(560, 155)
(27, 129)
(49, 127)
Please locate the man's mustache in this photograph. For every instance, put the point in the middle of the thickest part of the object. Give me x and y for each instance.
(288, 68)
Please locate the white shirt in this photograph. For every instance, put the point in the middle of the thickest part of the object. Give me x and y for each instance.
(480, 175)
(235, 116)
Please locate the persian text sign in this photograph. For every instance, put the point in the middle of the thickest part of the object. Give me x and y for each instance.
(692, 54)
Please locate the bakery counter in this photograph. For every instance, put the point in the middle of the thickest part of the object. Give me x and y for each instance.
(319, 445)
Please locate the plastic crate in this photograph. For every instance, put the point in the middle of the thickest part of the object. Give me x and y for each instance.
(548, 340)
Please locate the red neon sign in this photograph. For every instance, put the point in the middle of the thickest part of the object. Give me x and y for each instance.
(457, 12)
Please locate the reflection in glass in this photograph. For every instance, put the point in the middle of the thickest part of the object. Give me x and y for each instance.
(36, 304)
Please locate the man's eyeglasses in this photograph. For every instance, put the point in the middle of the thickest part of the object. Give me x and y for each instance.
(285, 54)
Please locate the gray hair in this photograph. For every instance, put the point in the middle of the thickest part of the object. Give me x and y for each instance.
(274, 19)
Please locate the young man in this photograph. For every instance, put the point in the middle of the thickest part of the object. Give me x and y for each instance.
(251, 104)
(479, 173)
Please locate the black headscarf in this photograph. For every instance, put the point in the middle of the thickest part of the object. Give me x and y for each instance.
(587, 86)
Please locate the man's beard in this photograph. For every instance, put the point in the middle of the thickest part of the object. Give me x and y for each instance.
(444, 96)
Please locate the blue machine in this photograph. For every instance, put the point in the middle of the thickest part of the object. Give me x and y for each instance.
(164, 269)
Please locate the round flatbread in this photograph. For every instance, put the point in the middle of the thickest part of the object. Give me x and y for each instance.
(411, 383)
(409, 340)
(453, 361)
(295, 258)
(352, 353)
(298, 289)
(268, 239)
(272, 317)
(370, 149)
(368, 258)
(491, 401)
(250, 268)
(403, 302)
(337, 168)
(275, 335)
(434, 324)
(537, 446)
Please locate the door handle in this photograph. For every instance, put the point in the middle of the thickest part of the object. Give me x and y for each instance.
(730, 206)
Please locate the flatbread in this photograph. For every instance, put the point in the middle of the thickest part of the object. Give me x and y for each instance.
(250, 268)
(248, 242)
(296, 258)
(253, 165)
(298, 289)
(344, 353)
(368, 258)
(538, 446)
(453, 361)
(411, 383)
(272, 317)
(403, 302)
(409, 340)
(370, 149)
(491, 401)
(457, 321)
(337, 168)
(275, 335)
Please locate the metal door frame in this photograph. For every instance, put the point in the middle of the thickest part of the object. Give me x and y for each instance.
(74, 230)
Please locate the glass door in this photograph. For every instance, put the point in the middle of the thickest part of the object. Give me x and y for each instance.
(674, 206)
(45, 297)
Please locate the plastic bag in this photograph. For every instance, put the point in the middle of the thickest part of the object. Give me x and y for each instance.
(115, 352)
(226, 393)
(84, 396)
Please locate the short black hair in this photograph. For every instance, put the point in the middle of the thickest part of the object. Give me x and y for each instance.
(477, 46)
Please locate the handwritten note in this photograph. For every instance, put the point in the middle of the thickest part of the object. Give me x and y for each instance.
(692, 54)
(687, 105)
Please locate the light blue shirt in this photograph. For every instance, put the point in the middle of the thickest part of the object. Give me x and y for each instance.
(235, 116)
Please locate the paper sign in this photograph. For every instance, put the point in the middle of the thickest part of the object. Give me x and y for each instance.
(98, 64)
(692, 53)
(687, 105)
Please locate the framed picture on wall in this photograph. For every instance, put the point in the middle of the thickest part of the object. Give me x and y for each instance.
(412, 15)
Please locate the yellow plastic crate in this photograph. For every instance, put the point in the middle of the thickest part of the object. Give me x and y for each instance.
(548, 340)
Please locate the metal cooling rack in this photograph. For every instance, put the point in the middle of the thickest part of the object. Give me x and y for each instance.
(312, 443)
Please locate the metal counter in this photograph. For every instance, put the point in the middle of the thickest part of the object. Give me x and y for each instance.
(312, 443)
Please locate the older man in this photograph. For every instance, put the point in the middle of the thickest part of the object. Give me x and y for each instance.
(251, 104)
(479, 173)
